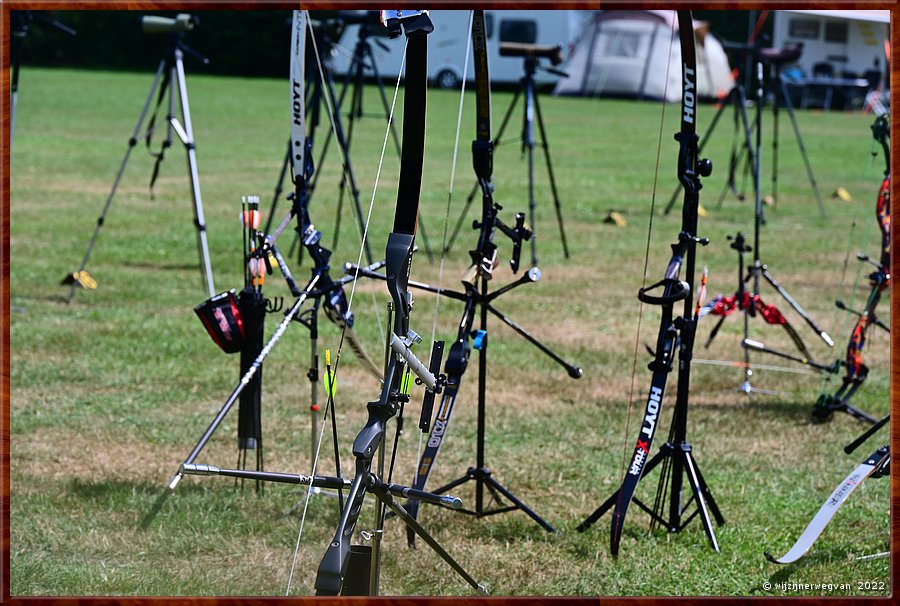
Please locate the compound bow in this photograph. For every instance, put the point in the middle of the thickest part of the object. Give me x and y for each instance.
(879, 281)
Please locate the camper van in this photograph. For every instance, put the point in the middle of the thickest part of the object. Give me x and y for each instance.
(836, 43)
(447, 44)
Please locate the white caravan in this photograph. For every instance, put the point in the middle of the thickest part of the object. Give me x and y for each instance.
(447, 44)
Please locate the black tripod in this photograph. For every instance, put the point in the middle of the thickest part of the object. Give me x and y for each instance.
(169, 80)
(532, 108)
(19, 24)
(749, 301)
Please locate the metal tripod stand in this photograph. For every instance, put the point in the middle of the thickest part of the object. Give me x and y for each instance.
(531, 110)
(19, 23)
(168, 82)
(749, 302)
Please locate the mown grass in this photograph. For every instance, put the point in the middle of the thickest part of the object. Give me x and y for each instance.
(110, 392)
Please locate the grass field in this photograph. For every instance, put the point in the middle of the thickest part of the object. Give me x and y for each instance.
(109, 393)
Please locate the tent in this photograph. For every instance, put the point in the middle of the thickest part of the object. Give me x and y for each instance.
(632, 53)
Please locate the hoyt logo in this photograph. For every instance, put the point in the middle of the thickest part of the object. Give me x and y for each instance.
(478, 33)
(648, 427)
(297, 102)
(437, 433)
(689, 97)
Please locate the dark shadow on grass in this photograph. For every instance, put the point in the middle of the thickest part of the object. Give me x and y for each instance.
(160, 265)
(117, 489)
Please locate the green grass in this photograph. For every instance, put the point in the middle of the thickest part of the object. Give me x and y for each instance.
(110, 392)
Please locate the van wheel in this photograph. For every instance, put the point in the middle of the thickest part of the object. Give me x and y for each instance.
(447, 80)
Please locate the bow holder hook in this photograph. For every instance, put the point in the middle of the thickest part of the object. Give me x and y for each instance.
(673, 291)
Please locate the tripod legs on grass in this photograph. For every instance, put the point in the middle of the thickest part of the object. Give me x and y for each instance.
(482, 477)
(682, 459)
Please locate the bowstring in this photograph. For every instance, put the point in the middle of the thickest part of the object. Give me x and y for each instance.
(440, 279)
(637, 337)
(333, 380)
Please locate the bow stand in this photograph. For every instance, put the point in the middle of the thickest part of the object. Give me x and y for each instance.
(478, 298)
(879, 281)
(676, 335)
(748, 300)
(169, 75)
(322, 290)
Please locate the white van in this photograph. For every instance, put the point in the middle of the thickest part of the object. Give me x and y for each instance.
(447, 44)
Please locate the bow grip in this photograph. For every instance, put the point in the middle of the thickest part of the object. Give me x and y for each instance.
(673, 291)
(483, 157)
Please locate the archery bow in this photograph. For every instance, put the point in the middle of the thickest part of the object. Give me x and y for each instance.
(332, 571)
(484, 260)
(879, 281)
(676, 332)
(335, 300)
(875, 465)
(332, 577)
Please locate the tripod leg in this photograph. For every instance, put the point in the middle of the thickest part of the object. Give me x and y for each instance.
(384, 100)
(392, 504)
(188, 140)
(528, 147)
(279, 187)
(574, 371)
(491, 482)
(701, 502)
(598, 513)
(775, 106)
(462, 217)
(809, 171)
(131, 143)
(545, 145)
(796, 306)
(710, 501)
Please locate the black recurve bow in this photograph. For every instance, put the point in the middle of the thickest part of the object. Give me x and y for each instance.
(333, 567)
(675, 331)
